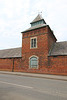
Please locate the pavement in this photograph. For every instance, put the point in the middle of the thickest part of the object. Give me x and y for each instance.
(47, 76)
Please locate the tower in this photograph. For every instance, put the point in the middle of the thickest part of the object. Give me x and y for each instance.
(36, 44)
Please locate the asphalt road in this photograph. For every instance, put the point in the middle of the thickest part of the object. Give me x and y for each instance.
(13, 87)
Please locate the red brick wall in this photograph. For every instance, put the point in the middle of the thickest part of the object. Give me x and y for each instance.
(58, 65)
(12, 64)
(18, 64)
(6, 64)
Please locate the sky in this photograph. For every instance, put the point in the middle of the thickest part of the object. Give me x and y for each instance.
(16, 15)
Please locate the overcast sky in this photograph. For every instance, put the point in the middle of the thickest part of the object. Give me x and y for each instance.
(16, 15)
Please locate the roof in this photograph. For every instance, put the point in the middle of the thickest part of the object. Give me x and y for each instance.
(59, 48)
(39, 17)
(34, 27)
(10, 53)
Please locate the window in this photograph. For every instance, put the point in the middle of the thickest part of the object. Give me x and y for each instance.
(34, 62)
(33, 43)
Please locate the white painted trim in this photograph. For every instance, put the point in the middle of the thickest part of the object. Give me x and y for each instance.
(36, 43)
(37, 59)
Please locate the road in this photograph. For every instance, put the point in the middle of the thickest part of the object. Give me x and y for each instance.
(13, 87)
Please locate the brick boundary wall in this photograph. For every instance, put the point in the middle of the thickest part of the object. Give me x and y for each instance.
(57, 66)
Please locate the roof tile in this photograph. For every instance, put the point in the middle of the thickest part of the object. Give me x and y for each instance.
(39, 17)
(10, 53)
(60, 48)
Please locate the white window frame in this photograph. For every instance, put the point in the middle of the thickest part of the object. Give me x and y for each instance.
(30, 42)
(37, 63)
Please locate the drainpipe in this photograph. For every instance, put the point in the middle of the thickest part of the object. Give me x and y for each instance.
(13, 66)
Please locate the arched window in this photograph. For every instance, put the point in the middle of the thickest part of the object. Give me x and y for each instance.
(34, 62)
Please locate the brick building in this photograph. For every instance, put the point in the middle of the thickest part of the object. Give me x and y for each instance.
(40, 53)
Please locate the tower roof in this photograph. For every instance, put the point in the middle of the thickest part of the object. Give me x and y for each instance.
(38, 18)
(38, 22)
